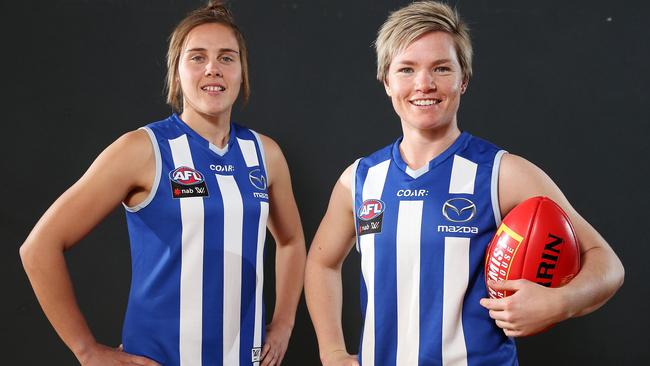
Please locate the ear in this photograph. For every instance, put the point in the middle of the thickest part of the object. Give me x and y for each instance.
(463, 85)
(387, 87)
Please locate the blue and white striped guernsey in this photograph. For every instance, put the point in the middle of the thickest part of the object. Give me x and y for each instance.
(422, 237)
(197, 246)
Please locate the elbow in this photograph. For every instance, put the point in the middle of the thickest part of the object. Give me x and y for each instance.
(621, 274)
(26, 252)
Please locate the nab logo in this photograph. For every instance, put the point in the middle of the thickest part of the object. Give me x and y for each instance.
(370, 209)
(186, 176)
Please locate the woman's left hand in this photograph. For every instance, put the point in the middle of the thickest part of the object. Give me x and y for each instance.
(277, 340)
(529, 310)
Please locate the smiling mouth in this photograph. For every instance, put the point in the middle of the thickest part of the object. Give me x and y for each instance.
(425, 102)
(213, 88)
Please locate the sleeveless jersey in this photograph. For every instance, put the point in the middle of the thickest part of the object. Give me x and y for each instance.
(197, 245)
(422, 237)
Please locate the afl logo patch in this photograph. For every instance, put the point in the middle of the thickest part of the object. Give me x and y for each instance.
(186, 176)
(371, 216)
(187, 182)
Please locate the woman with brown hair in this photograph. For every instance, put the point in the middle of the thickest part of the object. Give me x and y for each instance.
(199, 192)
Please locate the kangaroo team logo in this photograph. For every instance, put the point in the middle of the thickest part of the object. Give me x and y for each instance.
(187, 182)
(257, 179)
(371, 216)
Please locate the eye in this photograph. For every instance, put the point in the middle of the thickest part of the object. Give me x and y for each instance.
(226, 59)
(442, 69)
(405, 70)
(197, 58)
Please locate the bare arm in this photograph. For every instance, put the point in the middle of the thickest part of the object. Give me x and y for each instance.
(284, 224)
(601, 273)
(123, 171)
(323, 288)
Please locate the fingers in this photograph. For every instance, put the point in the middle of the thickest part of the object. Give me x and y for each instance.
(142, 361)
(494, 304)
(506, 285)
(267, 355)
(273, 356)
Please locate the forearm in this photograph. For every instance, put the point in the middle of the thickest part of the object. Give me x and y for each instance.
(601, 275)
(289, 273)
(47, 271)
(324, 295)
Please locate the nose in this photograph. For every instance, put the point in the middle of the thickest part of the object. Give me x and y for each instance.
(212, 69)
(425, 82)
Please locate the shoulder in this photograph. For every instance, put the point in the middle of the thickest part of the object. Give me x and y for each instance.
(348, 176)
(519, 179)
(271, 148)
(276, 164)
(271, 151)
(131, 145)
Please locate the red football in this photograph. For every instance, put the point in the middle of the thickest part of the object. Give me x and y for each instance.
(535, 241)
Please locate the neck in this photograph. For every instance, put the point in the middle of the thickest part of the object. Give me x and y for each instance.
(420, 146)
(215, 129)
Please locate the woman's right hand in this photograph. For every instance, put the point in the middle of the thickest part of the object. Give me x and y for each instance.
(340, 358)
(101, 355)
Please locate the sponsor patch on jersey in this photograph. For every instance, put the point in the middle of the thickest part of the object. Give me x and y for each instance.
(256, 354)
(458, 210)
(370, 216)
(187, 182)
(257, 179)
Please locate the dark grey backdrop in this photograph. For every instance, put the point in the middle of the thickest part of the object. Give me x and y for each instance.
(562, 83)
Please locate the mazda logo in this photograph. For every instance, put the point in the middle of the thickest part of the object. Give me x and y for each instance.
(257, 179)
(459, 210)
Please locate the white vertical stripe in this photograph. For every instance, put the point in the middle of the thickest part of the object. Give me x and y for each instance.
(494, 187)
(463, 174)
(372, 188)
(191, 291)
(250, 153)
(259, 271)
(456, 277)
(233, 216)
(409, 223)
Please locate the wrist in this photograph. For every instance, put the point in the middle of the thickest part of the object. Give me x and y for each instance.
(284, 321)
(324, 356)
(565, 302)
(83, 349)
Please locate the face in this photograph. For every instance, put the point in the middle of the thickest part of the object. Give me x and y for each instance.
(425, 82)
(210, 70)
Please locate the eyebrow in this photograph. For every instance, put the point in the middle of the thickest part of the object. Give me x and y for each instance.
(437, 62)
(201, 49)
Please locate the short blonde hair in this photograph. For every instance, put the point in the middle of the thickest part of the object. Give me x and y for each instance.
(214, 12)
(411, 22)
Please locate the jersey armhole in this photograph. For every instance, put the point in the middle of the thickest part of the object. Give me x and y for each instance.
(156, 179)
(353, 189)
(494, 187)
(262, 154)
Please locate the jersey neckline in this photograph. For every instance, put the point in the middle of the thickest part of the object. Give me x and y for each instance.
(453, 148)
(202, 141)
